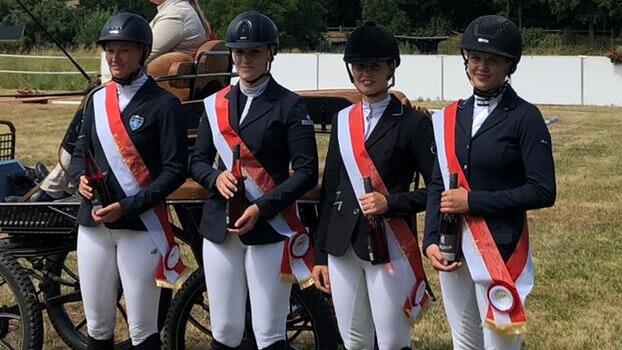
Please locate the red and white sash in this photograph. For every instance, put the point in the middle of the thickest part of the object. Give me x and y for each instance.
(297, 253)
(133, 176)
(507, 285)
(358, 164)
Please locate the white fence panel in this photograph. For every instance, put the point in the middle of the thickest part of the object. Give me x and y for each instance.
(297, 71)
(602, 81)
(333, 74)
(455, 82)
(566, 80)
(418, 77)
(549, 79)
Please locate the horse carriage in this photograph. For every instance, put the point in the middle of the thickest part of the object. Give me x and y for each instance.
(38, 239)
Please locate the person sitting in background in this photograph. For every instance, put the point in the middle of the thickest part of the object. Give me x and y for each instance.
(178, 26)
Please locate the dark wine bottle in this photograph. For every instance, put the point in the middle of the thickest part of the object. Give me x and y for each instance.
(449, 229)
(97, 181)
(376, 234)
(237, 204)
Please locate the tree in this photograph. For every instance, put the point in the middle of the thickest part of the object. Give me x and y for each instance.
(387, 13)
(58, 18)
(300, 22)
(343, 12)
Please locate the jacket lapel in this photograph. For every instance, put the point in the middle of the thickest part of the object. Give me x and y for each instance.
(507, 103)
(263, 104)
(234, 114)
(390, 117)
(465, 116)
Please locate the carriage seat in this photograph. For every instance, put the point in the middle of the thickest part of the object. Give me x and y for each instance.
(205, 60)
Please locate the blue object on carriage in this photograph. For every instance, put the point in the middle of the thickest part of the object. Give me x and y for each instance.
(8, 170)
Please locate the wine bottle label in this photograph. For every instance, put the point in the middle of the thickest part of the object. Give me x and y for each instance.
(449, 247)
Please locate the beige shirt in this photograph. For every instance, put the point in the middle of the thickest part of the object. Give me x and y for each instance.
(176, 27)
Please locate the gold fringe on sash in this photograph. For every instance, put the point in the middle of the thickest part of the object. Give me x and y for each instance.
(290, 278)
(174, 286)
(508, 331)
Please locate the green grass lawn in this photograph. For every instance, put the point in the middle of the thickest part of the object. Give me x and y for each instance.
(576, 244)
(72, 82)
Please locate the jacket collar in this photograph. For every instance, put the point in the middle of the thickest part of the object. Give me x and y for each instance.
(508, 102)
(261, 105)
(390, 117)
(143, 95)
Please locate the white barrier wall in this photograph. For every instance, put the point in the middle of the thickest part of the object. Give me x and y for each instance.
(418, 75)
(567, 80)
(298, 70)
(332, 72)
(604, 81)
(549, 79)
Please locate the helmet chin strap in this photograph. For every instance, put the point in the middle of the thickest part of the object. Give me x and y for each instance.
(129, 79)
(490, 94)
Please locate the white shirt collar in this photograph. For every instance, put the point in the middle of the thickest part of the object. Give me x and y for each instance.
(372, 113)
(482, 107)
(254, 91)
(127, 92)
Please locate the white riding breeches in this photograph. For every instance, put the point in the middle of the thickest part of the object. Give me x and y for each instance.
(369, 297)
(466, 310)
(107, 257)
(233, 271)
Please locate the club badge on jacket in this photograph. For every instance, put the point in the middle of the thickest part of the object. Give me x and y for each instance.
(136, 121)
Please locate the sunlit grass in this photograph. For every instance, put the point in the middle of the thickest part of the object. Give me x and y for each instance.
(576, 244)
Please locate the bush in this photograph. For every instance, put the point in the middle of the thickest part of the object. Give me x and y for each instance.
(91, 26)
(615, 55)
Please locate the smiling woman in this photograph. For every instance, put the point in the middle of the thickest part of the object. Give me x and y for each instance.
(123, 58)
(125, 236)
(499, 148)
(262, 128)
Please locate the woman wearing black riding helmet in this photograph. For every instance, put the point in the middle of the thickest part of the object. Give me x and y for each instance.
(387, 142)
(250, 255)
(500, 149)
(132, 130)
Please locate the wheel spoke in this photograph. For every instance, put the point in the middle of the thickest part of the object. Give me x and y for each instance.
(11, 312)
(80, 324)
(10, 316)
(6, 345)
(199, 326)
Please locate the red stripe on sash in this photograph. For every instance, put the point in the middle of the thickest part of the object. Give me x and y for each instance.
(139, 170)
(403, 233)
(500, 273)
(130, 154)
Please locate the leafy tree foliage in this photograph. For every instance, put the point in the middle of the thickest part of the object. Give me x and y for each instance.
(302, 23)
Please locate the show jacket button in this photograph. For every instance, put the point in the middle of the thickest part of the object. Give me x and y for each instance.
(356, 211)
